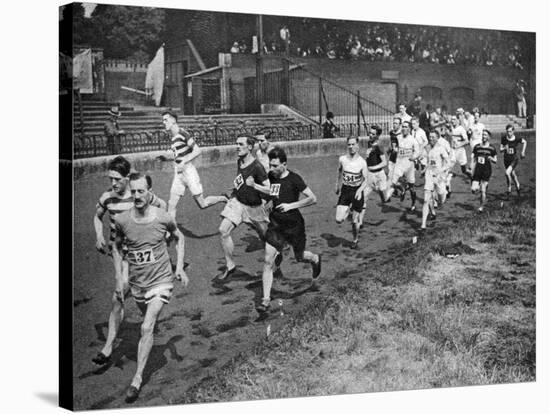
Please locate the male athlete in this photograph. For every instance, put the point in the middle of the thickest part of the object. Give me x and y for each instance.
(420, 136)
(407, 154)
(142, 229)
(402, 114)
(376, 176)
(350, 184)
(245, 204)
(459, 139)
(115, 201)
(509, 145)
(286, 224)
(484, 154)
(437, 160)
(185, 150)
(395, 136)
(263, 148)
(475, 132)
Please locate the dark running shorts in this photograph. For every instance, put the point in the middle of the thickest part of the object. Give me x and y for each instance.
(513, 161)
(481, 174)
(347, 197)
(280, 234)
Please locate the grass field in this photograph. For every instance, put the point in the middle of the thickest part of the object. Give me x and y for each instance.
(456, 309)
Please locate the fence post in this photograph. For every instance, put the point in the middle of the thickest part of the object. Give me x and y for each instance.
(320, 101)
(358, 113)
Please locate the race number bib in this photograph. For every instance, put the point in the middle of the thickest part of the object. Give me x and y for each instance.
(238, 181)
(404, 152)
(141, 257)
(481, 160)
(351, 178)
(274, 190)
(511, 151)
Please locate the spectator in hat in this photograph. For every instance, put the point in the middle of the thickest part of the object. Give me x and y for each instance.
(519, 92)
(112, 131)
(329, 128)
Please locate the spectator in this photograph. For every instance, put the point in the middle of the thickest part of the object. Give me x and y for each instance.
(402, 114)
(329, 128)
(424, 119)
(415, 107)
(520, 94)
(112, 131)
(235, 48)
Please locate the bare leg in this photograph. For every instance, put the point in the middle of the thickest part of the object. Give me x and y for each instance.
(426, 208)
(267, 276)
(146, 341)
(226, 227)
(205, 202)
(172, 204)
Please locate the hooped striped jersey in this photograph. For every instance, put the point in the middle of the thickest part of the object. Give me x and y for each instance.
(180, 146)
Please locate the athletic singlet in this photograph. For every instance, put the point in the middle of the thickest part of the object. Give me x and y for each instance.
(374, 156)
(477, 132)
(421, 138)
(352, 170)
(481, 156)
(511, 149)
(408, 147)
(180, 148)
(436, 156)
(458, 136)
(149, 262)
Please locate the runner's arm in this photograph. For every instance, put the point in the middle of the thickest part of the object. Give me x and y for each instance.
(363, 185)
(309, 200)
(263, 188)
(524, 142)
(98, 226)
(338, 177)
(117, 255)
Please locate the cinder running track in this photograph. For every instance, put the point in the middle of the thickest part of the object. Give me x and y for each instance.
(208, 323)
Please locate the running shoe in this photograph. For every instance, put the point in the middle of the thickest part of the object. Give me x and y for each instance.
(227, 273)
(132, 394)
(431, 216)
(480, 210)
(101, 359)
(264, 305)
(354, 244)
(316, 268)
(412, 209)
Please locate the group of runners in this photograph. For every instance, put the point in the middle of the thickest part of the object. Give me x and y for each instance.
(267, 196)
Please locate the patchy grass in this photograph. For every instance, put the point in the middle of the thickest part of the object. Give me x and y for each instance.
(422, 320)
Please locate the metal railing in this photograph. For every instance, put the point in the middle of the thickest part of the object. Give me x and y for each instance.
(86, 146)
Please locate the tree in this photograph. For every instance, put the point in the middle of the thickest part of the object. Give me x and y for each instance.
(127, 32)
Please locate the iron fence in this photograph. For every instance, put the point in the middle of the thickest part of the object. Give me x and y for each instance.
(86, 146)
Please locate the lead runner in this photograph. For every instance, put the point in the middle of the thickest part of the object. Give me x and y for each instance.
(143, 229)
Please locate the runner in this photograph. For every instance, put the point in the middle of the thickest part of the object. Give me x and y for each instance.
(447, 174)
(245, 204)
(437, 160)
(143, 229)
(115, 201)
(509, 146)
(484, 154)
(404, 166)
(350, 184)
(395, 136)
(420, 136)
(185, 175)
(475, 132)
(263, 148)
(376, 176)
(286, 224)
(459, 139)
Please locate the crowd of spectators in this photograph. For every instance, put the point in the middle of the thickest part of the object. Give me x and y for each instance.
(336, 39)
